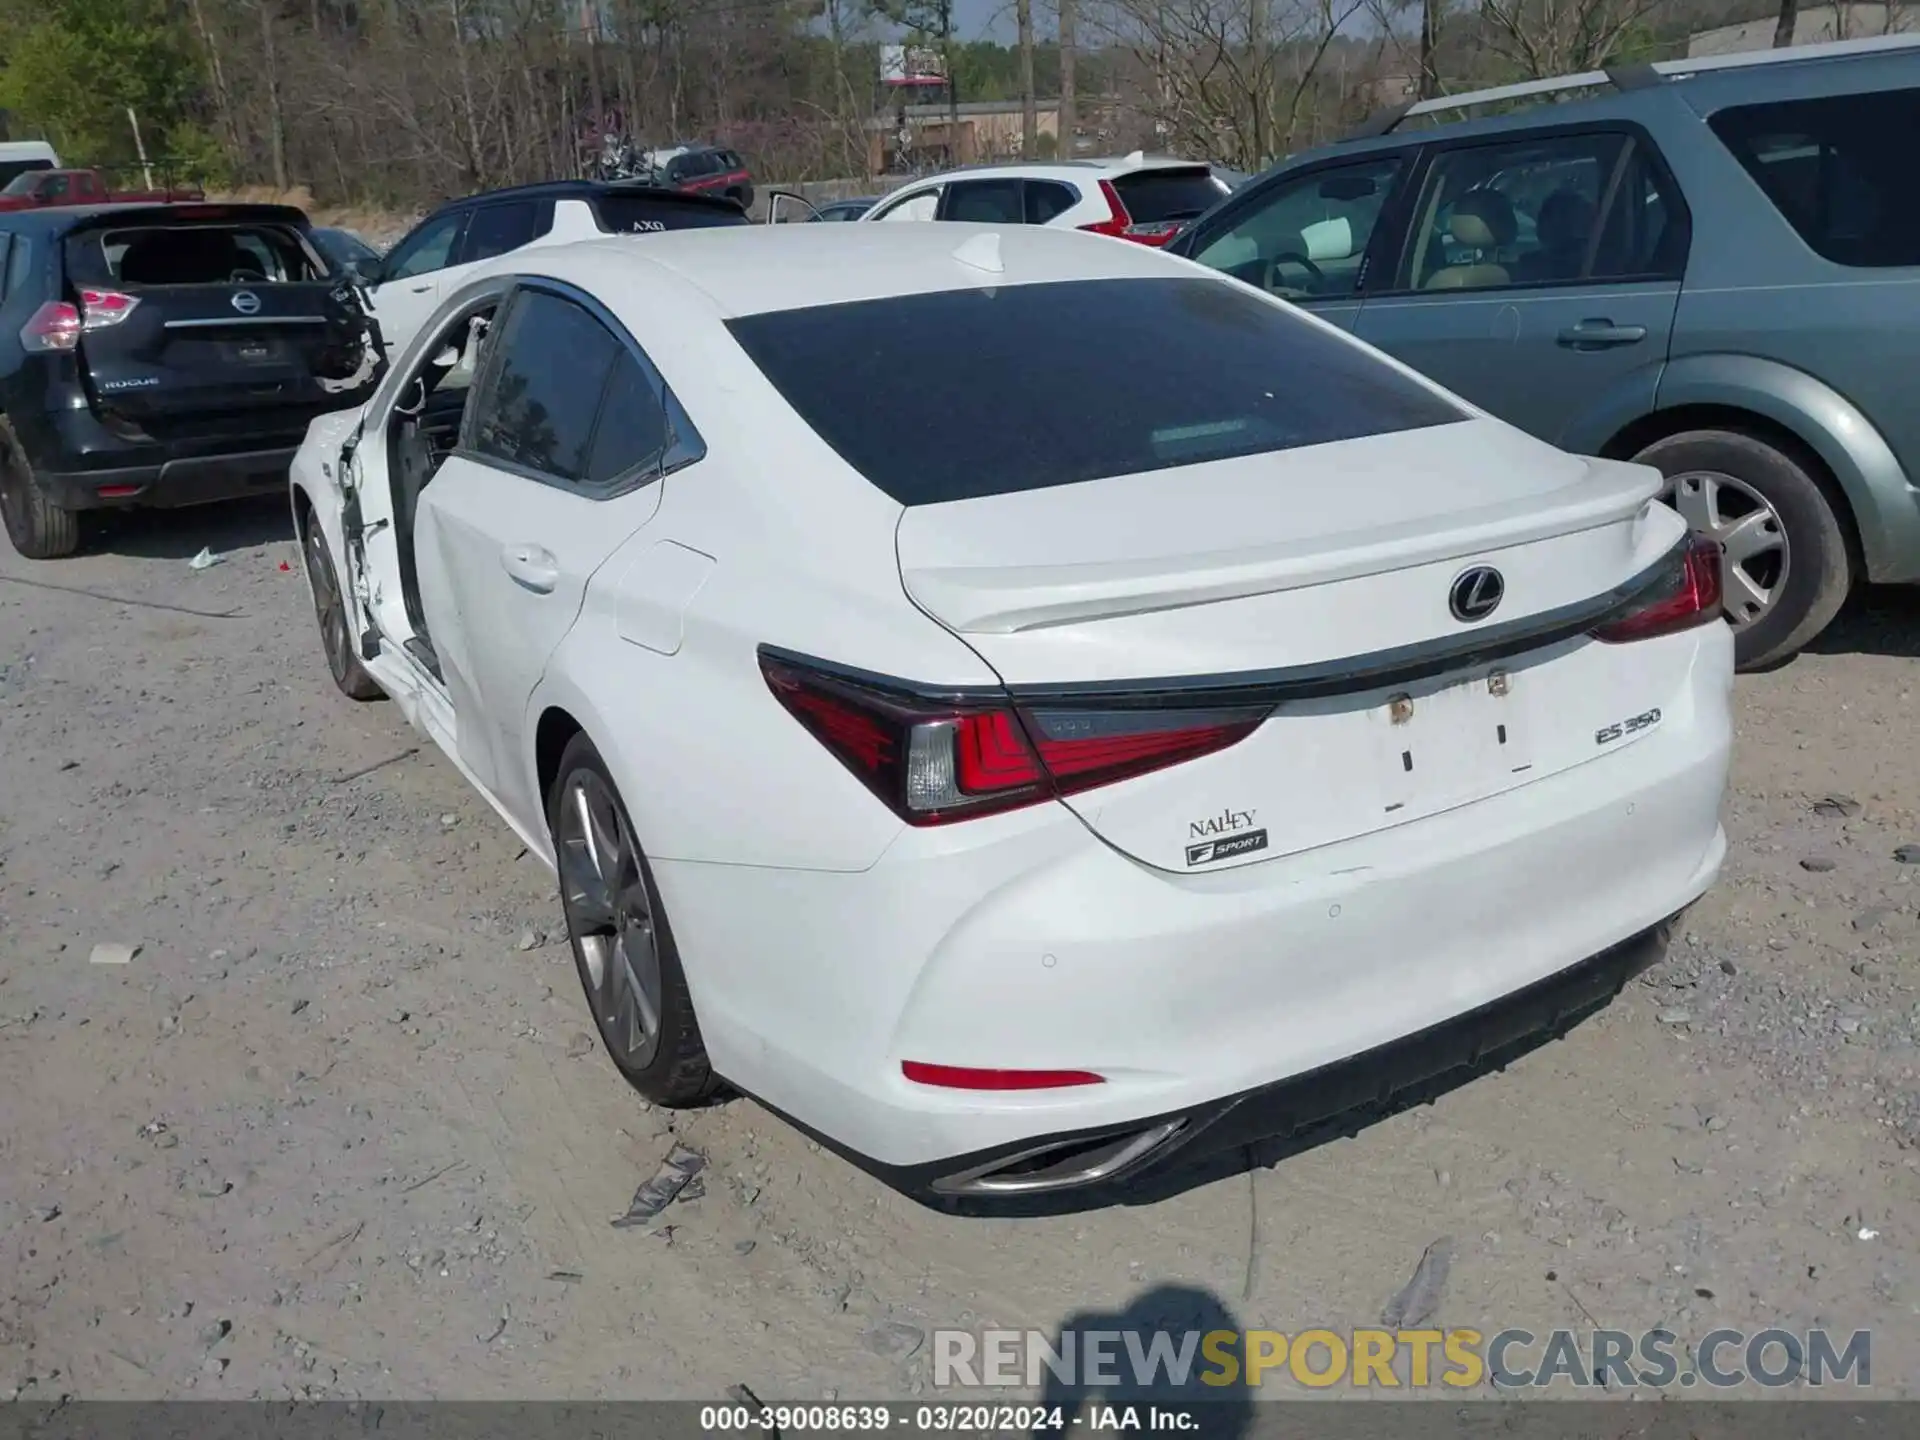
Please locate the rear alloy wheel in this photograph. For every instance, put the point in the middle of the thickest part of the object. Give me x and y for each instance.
(39, 529)
(1784, 565)
(622, 945)
(330, 609)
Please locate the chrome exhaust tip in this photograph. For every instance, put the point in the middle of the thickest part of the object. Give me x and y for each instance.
(1060, 1164)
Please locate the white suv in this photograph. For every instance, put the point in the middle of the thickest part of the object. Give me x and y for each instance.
(1135, 198)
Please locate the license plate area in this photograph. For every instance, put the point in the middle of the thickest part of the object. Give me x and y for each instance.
(251, 351)
(1452, 742)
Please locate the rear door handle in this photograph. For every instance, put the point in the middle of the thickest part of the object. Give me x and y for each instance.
(532, 567)
(1601, 335)
(421, 289)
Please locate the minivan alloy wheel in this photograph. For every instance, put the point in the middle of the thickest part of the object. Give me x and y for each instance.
(611, 918)
(1754, 553)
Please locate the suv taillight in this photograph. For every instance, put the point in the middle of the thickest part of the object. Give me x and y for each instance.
(101, 308)
(1686, 595)
(58, 325)
(1121, 225)
(54, 326)
(934, 761)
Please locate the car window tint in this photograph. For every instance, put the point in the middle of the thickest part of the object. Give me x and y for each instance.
(497, 229)
(1839, 168)
(1048, 198)
(1306, 238)
(632, 429)
(920, 206)
(650, 214)
(1493, 216)
(6, 277)
(427, 250)
(1644, 232)
(1153, 197)
(984, 202)
(540, 408)
(1039, 385)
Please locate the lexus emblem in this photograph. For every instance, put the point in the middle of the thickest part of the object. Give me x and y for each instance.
(1476, 594)
(247, 303)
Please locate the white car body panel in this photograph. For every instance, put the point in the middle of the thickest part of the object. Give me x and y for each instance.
(826, 941)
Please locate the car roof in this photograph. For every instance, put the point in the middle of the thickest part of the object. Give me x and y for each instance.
(755, 269)
(1600, 94)
(578, 190)
(1068, 170)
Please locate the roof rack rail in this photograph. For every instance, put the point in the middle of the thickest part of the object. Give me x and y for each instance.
(1638, 76)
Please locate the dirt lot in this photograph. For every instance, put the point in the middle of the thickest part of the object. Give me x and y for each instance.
(338, 1130)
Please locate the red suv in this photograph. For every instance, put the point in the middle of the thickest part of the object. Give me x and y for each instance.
(710, 170)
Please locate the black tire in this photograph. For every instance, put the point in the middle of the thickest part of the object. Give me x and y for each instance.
(330, 610)
(1819, 562)
(676, 1073)
(38, 528)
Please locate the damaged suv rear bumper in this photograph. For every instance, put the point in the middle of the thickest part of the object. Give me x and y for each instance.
(188, 480)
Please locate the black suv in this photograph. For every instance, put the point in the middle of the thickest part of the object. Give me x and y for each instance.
(162, 355)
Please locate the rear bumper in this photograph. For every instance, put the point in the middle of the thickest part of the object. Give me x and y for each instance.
(1024, 943)
(1344, 1095)
(189, 480)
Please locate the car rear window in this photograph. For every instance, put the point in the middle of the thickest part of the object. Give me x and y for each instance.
(1153, 197)
(965, 393)
(188, 255)
(624, 214)
(1839, 168)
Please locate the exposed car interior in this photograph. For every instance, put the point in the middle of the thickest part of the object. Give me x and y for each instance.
(193, 255)
(424, 429)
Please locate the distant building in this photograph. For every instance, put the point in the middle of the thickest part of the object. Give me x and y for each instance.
(1814, 25)
(917, 136)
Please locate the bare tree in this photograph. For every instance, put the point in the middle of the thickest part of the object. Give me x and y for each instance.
(1029, 119)
(1784, 26)
(1544, 38)
(1228, 78)
(1067, 122)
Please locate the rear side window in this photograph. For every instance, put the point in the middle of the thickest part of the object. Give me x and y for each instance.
(1153, 197)
(19, 265)
(1048, 198)
(632, 433)
(497, 229)
(965, 393)
(984, 202)
(188, 255)
(1839, 169)
(539, 411)
(641, 214)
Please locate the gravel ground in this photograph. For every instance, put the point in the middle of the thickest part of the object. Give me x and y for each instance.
(338, 1128)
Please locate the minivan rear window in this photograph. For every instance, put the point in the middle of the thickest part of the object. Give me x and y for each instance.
(623, 214)
(965, 393)
(1153, 197)
(1839, 168)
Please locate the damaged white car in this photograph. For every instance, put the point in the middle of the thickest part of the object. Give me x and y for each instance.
(1033, 711)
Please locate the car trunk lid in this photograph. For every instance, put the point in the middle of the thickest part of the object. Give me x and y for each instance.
(184, 318)
(1330, 618)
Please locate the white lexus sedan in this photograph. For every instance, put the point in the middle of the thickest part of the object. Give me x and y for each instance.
(1034, 712)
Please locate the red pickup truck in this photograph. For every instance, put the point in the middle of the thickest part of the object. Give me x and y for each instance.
(41, 189)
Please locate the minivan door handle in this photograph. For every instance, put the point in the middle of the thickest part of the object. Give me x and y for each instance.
(1601, 334)
(531, 566)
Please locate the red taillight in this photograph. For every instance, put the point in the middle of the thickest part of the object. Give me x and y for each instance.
(54, 326)
(1121, 225)
(58, 325)
(101, 308)
(1116, 224)
(961, 1077)
(1686, 596)
(932, 761)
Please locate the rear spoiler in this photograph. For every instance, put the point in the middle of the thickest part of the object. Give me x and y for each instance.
(188, 212)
